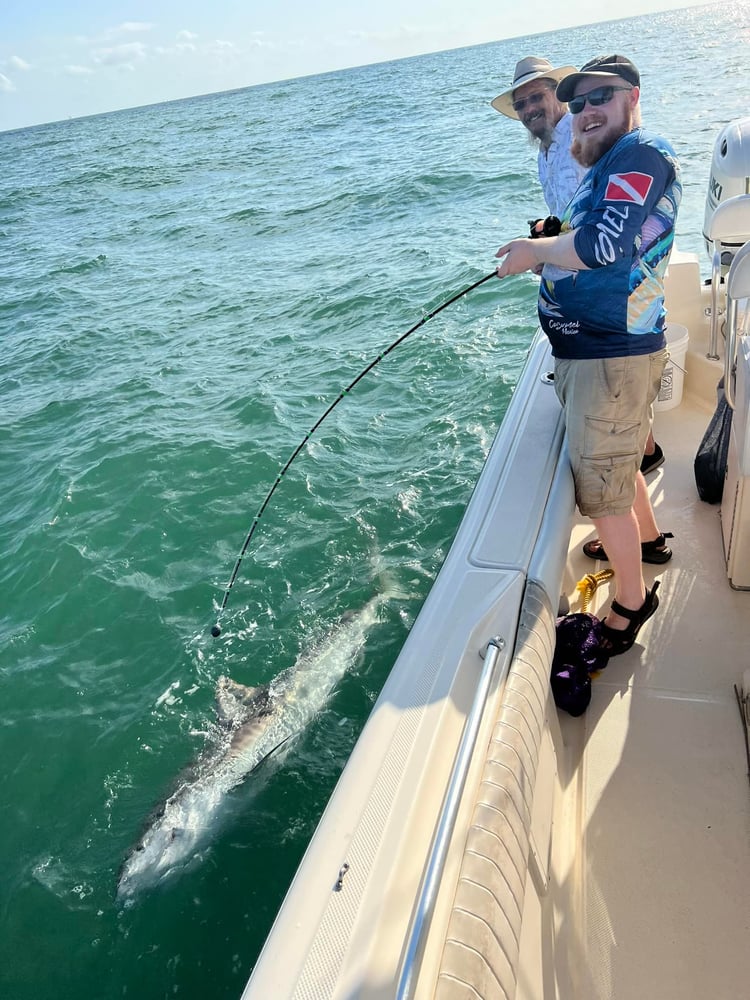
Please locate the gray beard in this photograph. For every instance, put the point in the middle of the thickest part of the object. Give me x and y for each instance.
(542, 143)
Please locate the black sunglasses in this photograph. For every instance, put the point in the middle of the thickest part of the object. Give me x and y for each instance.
(535, 98)
(597, 97)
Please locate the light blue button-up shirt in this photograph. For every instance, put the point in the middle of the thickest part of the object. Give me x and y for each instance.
(559, 173)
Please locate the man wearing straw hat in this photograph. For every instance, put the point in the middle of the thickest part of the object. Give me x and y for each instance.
(601, 303)
(531, 100)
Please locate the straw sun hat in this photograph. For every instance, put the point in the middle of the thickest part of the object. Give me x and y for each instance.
(528, 69)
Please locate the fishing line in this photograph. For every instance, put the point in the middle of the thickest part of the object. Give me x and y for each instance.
(216, 629)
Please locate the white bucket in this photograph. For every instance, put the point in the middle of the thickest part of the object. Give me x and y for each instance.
(670, 394)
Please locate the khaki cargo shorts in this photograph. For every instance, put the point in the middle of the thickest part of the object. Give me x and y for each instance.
(608, 405)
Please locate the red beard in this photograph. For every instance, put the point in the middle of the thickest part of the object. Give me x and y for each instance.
(588, 149)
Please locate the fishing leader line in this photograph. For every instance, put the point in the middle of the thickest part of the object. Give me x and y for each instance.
(216, 628)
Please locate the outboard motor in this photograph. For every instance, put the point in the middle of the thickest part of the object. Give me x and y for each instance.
(730, 176)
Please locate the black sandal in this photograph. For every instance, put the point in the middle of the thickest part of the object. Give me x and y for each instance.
(620, 640)
(656, 552)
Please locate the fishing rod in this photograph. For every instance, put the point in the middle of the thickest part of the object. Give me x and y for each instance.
(216, 628)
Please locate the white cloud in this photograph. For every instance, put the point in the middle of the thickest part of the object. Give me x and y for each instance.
(396, 33)
(186, 36)
(129, 27)
(17, 63)
(6, 85)
(112, 34)
(258, 40)
(219, 49)
(120, 55)
(175, 50)
(78, 70)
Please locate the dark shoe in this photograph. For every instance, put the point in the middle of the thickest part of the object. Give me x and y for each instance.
(649, 463)
(656, 552)
(615, 640)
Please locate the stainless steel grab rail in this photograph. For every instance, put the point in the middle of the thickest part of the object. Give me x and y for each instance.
(713, 340)
(439, 851)
(730, 351)
(738, 287)
(728, 229)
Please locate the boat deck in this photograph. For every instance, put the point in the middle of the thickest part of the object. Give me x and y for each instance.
(657, 789)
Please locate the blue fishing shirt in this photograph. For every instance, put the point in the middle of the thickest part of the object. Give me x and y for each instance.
(623, 215)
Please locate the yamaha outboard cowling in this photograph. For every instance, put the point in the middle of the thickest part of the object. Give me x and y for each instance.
(730, 176)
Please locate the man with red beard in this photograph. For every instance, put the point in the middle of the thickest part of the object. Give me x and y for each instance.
(601, 303)
(531, 100)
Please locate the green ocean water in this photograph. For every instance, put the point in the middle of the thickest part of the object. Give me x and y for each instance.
(184, 289)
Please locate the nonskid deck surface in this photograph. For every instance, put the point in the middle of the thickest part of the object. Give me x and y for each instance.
(658, 766)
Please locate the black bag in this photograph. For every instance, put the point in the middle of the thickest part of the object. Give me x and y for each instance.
(711, 458)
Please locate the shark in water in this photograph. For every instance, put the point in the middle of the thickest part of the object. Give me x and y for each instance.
(255, 722)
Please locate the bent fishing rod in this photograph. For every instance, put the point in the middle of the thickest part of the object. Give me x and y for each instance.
(216, 628)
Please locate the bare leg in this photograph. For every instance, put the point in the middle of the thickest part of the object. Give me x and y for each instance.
(644, 513)
(621, 538)
(645, 519)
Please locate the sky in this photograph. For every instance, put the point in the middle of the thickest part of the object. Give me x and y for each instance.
(68, 58)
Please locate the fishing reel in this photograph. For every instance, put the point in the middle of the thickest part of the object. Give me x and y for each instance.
(550, 226)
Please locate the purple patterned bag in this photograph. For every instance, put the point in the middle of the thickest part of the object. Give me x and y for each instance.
(578, 654)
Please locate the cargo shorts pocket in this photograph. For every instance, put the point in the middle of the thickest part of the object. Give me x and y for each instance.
(611, 439)
(605, 479)
(605, 486)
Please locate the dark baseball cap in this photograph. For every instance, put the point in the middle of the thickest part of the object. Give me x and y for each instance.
(600, 66)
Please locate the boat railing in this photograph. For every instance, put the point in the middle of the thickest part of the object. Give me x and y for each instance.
(729, 229)
(446, 824)
(738, 287)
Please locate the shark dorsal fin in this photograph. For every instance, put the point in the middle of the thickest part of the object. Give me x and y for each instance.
(240, 692)
(236, 702)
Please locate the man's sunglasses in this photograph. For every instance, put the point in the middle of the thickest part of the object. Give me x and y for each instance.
(597, 97)
(535, 98)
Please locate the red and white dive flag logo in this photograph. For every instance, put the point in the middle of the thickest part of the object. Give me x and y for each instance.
(633, 187)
